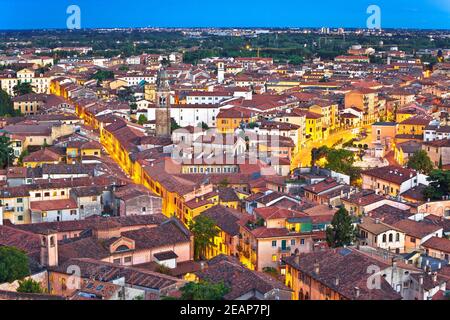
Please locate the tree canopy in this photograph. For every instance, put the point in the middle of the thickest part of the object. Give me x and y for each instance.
(318, 153)
(174, 125)
(142, 119)
(6, 152)
(22, 88)
(338, 160)
(439, 185)
(14, 264)
(421, 162)
(204, 290)
(341, 232)
(29, 286)
(6, 105)
(102, 75)
(204, 230)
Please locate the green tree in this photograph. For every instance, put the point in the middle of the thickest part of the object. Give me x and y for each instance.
(6, 152)
(174, 125)
(341, 232)
(23, 154)
(421, 162)
(102, 75)
(142, 119)
(14, 264)
(204, 230)
(341, 160)
(204, 290)
(439, 185)
(22, 88)
(317, 153)
(6, 105)
(29, 286)
(204, 126)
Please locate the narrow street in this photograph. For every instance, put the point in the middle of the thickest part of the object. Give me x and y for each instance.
(303, 158)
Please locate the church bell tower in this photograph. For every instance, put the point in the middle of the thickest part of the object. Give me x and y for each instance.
(162, 112)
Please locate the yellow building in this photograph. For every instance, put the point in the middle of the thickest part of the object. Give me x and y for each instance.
(15, 202)
(76, 150)
(403, 151)
(29, 104)
(196, 206)
(314, 126)
(413, 125)
(228, 120)
(328, 111)
(44, 156)
(227, 221)
(175, 191)
(366, 100)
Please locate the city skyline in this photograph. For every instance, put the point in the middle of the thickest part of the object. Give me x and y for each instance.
(402, 14)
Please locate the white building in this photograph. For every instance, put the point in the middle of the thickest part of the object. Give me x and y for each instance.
(205, 97)
(39, 83)
(187, 114)
(436, 132)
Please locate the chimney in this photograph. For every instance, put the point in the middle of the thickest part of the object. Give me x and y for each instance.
(434, 276)
(316, 268)
(202, 266)
(336, 281)
(421, 279)
(357, 291)
(377, 220)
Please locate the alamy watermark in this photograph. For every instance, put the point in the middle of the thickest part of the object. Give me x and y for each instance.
(374, 20)
(74, 19)
(213, 148)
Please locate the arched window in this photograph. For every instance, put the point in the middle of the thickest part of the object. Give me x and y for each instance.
(300, 295)
(391, 238)
(122, 248)
(397, 237)
(384, 237)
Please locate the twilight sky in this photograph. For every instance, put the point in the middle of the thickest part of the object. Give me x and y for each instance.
(38, 14)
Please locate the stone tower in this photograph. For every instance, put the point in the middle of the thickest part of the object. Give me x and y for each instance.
(49, 248)
(220, 72)
(162, 112)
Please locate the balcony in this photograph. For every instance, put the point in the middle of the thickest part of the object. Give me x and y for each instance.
(284, 249)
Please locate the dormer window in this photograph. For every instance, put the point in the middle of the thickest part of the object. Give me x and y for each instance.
(122, 248)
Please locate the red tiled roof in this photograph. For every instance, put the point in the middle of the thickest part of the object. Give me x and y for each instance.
(394, 174)
(436, 243)
(53, 205)
(415, 228)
